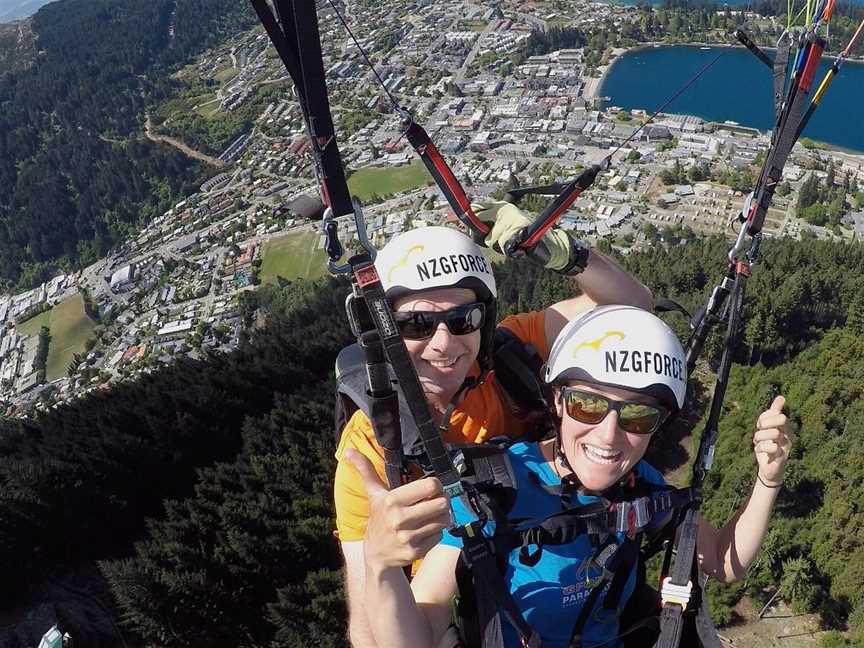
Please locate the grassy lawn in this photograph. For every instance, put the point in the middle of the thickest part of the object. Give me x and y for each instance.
(225, 74)
(209, 109)
(388, 180)
(34, 324)
(70, 327)
(293, 256)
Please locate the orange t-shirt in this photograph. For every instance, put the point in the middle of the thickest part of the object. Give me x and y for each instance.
(479, 417)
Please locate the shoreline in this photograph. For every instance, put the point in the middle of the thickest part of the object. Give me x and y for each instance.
(592, 90)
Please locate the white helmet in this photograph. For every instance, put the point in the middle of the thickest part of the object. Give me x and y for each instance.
(621, 346)
(427, 258)
(434, 257)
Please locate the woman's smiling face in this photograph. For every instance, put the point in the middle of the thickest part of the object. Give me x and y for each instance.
(601, 454)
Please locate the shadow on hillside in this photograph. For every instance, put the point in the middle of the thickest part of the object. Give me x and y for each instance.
(669, 450)
(804, 498)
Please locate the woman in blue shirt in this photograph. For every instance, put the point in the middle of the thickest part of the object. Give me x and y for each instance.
(618, 374)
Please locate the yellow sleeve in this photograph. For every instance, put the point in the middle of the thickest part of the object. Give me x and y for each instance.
(349, 494)
(529, 327)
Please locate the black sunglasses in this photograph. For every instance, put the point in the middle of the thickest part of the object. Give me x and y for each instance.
(420, 325)
(590, 408)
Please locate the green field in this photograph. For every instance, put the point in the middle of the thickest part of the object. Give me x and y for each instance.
(293, 256)
(209, 109)
(70, 327)
(389, 180)
(225, 74)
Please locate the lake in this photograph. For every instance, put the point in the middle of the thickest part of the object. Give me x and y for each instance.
(736, 88)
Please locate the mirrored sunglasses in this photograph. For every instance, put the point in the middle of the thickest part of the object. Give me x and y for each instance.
(590, 408)
(462, 320)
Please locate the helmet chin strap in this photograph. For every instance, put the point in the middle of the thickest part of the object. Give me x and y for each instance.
(570, 483)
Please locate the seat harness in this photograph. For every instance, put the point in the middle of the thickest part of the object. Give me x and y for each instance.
(627, 508)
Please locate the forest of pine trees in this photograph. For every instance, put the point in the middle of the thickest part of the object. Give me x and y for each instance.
(76, 174)
(203, 491)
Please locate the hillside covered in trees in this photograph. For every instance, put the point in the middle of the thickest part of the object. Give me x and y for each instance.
(203, 491)
(75, 173)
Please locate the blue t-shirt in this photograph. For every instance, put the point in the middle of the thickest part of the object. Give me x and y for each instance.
(550, 594)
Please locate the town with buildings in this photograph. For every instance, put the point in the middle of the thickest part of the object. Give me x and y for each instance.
(176, 288)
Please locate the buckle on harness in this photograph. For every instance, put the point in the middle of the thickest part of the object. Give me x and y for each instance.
(531, 642)
(631, 516)
(672, 593)
(475, 547)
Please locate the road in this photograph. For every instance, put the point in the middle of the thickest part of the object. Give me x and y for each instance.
(533, 20)
(460, 74)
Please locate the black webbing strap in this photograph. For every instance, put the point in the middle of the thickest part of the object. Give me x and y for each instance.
(629, 556)
(780, 70)
(384, 406)
(479, 557)
(744, 38)
(318, 104)
(557, 529)
(615, 570)
(285, 47)
(672, 615)
(629, 517)
(517, 369)
(674, 605)
(369, 284)
(445, 179)
(705, 630)
(785, 136)
(294, 33)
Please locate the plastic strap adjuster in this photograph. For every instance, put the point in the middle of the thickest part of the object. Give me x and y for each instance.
(672, 593)
(632, 516)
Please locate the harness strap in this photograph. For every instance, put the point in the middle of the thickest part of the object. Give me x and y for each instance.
(369, 284)
(445, 179)
(322, 131)
(786, 133)
(779, 67)
(705, 629)
(479, 557)
(597, 518)
(298, 43)
(672, 615)
(614, 562)
(517, 367)
(384, 407)
(615, 573)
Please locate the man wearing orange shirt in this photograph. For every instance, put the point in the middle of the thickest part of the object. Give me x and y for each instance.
(443, 294)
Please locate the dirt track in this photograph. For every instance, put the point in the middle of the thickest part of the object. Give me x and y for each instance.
(187, 150)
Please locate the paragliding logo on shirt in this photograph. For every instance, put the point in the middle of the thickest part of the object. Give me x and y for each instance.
(588, 575)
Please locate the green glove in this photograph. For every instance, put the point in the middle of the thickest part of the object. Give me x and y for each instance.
(507, 220)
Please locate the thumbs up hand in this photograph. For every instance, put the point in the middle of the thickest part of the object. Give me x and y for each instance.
(405, 523)
(772, 442)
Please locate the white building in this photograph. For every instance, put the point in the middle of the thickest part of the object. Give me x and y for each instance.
(122, 278)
